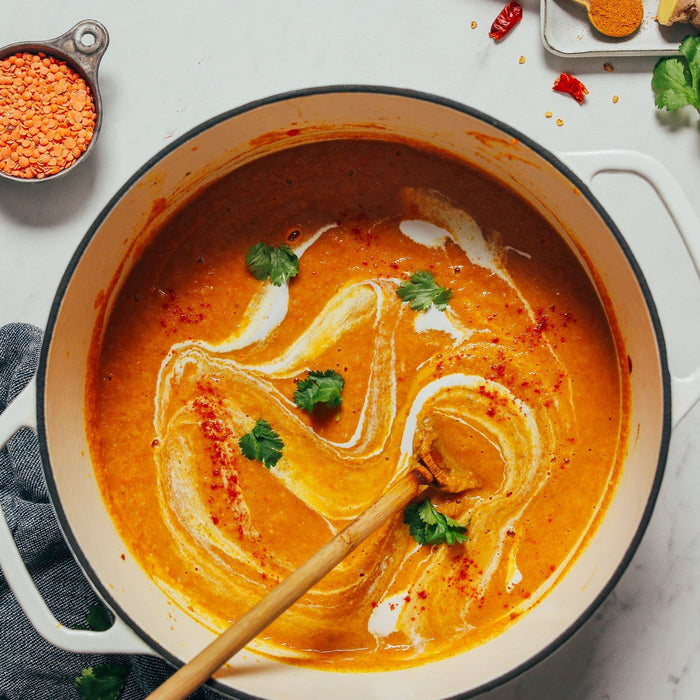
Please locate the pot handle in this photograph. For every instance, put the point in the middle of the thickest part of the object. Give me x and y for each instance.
(685, 390)
(119, 638)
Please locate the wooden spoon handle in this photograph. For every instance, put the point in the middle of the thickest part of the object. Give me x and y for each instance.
(232, 640)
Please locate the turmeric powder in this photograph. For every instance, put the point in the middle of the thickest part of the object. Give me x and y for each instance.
(616, 18)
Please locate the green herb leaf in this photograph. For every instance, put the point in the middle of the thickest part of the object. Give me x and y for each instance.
(428, 525)
(98, 618)
(319, 388)
(277, 264)
(262, 443)
(422, 291)
(676, 79)
(104, 682)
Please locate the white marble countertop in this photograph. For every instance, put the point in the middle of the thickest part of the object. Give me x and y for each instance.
(172, 65)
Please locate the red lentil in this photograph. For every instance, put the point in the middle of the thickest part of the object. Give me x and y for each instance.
(47, 115)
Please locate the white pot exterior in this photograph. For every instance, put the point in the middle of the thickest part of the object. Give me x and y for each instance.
(214, 150)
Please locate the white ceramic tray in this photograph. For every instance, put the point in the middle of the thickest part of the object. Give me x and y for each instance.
(566, 31)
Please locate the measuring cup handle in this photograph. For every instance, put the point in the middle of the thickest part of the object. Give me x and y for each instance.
(685, 390)
(86, 43)
(118, 639)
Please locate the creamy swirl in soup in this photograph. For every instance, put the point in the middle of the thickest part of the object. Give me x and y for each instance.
(521, 374)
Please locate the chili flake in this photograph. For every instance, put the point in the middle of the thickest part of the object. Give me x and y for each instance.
(507, 18)
(573, 86)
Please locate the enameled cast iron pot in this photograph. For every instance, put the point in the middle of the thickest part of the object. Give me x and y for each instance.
(146, 621)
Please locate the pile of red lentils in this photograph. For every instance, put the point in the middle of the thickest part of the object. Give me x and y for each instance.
(47, 115)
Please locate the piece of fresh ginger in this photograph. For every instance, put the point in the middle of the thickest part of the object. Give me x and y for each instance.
(678, 11)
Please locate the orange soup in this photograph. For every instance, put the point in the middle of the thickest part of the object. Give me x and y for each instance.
(423, 289)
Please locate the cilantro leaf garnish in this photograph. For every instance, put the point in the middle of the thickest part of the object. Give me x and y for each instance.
(262, 443)
(106, 681)
(103, 682)
(97, 619)
(277, 264)
(676, 79)
(428, 525)
(319, 388)
(422, 291)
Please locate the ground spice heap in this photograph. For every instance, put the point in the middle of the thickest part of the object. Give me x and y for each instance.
(47, 115)
(616, 18)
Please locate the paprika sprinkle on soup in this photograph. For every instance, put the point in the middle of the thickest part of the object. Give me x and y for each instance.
(47, 115)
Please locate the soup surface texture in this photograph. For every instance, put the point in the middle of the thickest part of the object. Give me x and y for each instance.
(520, 373)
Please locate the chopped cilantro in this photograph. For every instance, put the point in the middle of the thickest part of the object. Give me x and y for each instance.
(422, 291)
(262, 443)
(103, 682)
(319, 388)
(429, 526)
(277, 264)
(676, 79)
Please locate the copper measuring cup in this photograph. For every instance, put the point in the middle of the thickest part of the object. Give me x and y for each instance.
(82, 48)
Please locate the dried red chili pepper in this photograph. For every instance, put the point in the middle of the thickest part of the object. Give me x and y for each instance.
(573, 86)
(507, 18)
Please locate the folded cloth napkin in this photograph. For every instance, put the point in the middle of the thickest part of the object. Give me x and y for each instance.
(31, 668)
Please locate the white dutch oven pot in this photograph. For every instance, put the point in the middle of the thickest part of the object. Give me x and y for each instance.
(53, 403)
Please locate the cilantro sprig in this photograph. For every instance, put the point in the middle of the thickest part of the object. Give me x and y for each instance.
(676, 79)
(262, 443)
(106, 681)
(324, 388)
(422, 291)
(428, 525)
(97, 619)
(276, 264)
(103, 682)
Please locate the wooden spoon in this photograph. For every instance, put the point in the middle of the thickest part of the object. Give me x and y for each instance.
(232, 640)
(614, 18)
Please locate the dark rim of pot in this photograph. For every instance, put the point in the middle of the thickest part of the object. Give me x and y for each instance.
(425, 97)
